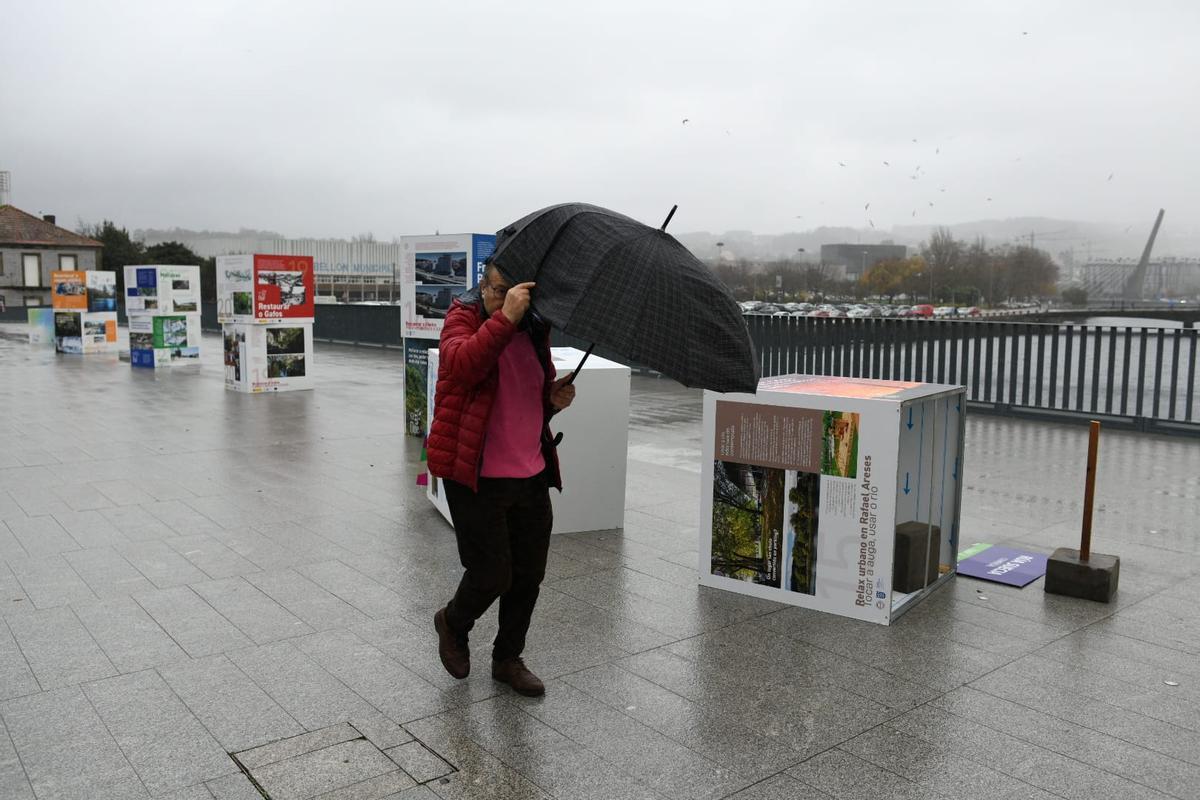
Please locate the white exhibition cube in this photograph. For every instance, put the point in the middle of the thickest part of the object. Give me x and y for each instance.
(268, 358)
(155, 289)
(41, 325)
(836, 494)
(85, 311)
(258, 288)
(593, 450)
(85, 332)
(164, 340)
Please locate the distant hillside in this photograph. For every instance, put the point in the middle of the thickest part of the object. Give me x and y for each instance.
(1056, 236)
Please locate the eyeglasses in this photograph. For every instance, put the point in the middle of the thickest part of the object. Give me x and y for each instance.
(499, 291)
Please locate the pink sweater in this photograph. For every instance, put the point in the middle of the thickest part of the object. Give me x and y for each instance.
(513, 447)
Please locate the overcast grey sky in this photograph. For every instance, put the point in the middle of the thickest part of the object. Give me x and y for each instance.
(331, 119)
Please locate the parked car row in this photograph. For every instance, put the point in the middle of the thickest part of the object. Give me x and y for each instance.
(856, 310)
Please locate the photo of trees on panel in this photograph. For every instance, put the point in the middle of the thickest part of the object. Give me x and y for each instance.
(804, 506)
(748, 520)
(839, 444)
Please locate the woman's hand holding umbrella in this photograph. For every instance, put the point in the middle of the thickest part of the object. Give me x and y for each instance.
(516, 301)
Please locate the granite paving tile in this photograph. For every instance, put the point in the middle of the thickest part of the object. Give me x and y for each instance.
(844, 775)
(1130, 726)
(167, 745)
(16, 678)
(254, 613)
(164, 567)
(1106, 751)
(210, 556)
(321, 771)
(1052, 772)
(480, 775)
(14, 784)
(319, 609)
(231, 705)
(662, 763)
(90, 529)
(233, 787)
(294, 746)
(546, 757)
(106, 572)
(384, 683)
(83, 497)
(943, 772)
(129, 636)
(192, 623)
(419, 762)
(49, 581)
(42, 536)
(10, 546)
(65, 749)
(13, 599)
(58, 648)
(312, 696)
(368, 596)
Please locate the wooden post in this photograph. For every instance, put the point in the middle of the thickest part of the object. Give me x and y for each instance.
(1089, 492)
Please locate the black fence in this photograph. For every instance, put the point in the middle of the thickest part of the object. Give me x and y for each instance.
(1136, 377)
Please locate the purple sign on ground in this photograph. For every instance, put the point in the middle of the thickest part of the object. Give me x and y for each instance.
(1002, 565)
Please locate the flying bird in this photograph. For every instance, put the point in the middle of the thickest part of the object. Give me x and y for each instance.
(841, 164)
(914, 141)
(685, 122)
(1024, 33)
(866, 207)
(989, 199)
(914, 212)
(942, 189)
(886, 164)
(872, 222)
(1110, 176)
(931, 205)
(937, 150)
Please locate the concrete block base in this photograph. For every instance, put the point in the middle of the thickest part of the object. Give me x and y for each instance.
(1094, 579)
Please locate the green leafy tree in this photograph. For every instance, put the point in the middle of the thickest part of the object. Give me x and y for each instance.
(119, 250)
(177, 253)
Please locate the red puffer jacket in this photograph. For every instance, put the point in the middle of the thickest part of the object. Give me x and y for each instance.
(468, 376)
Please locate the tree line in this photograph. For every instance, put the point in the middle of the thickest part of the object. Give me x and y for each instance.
(943, 270)
(121, 250)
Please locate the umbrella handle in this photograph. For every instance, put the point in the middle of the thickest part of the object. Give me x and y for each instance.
(582, 361)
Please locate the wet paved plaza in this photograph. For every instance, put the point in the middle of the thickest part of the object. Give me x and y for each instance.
(199, 585)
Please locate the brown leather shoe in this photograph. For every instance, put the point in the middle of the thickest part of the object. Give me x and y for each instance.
(514, 672)
(456, 658)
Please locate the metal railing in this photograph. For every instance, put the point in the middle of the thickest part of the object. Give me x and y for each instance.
(1136, 377)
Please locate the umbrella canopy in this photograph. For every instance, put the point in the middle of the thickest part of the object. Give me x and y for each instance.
(632, 289)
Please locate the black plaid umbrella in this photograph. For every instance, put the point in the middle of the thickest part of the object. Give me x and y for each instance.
(632, 289)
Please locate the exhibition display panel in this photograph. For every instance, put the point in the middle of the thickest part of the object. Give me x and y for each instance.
(836, 494)
(268, 358)
(259, 289)
(434, 271)
(265, 305)
(162, 303)
(84, 304)
(592, 452)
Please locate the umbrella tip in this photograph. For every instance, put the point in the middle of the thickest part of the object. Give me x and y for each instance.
(670, 214)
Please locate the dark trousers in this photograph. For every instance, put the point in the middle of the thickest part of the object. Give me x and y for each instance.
(503, 533)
